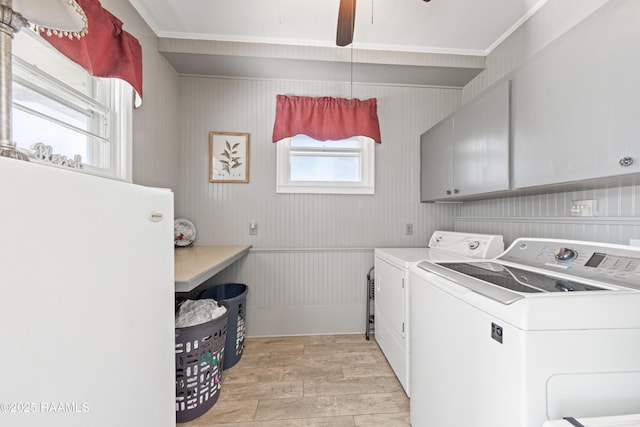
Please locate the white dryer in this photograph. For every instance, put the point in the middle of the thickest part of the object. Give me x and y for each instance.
(547, 330)
(391, 302)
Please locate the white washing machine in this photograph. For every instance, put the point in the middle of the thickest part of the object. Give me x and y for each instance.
(632, 420)
(547, 330)
(391, 291)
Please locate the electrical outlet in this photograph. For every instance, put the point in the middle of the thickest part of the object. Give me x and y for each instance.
(408, 229)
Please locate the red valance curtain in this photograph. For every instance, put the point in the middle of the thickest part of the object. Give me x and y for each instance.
(325, 118)
(106, 50)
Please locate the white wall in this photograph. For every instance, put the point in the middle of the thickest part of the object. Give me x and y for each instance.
(156, 138)
(294, 290)
(552, 20)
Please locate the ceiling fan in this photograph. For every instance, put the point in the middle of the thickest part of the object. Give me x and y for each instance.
(346, 21)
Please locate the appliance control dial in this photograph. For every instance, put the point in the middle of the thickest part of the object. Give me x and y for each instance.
(474, 244)
(565, 254)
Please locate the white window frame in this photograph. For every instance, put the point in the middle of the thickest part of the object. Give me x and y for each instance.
(118, 151)
(366, 184)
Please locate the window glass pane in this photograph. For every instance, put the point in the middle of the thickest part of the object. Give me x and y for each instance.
(34, 50)
(59, 104)
(314, 167)
(325, 168)
(74, 115)
(44, 112)
(29, 130)
(304, 141)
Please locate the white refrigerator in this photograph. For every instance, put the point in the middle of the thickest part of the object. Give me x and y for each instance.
(87, 300)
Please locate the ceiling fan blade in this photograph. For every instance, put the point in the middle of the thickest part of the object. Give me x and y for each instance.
(346, 21)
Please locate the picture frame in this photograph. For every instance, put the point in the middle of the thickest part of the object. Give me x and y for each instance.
(229, 157)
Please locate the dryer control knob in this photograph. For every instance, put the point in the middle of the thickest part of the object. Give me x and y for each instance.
(565, 254)
(474, 244)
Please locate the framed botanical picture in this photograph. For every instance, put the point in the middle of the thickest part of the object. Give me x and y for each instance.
(228, 157)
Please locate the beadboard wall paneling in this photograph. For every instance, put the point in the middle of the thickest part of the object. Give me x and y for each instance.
(294, 290)
(222, 212)
(549, 215)
(156, 124)
(301, 292)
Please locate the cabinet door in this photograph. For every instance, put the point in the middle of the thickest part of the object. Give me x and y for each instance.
(436, 162)
(576, 105)
(481, 144)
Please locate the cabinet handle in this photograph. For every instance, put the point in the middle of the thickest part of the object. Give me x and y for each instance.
(456, 191)
(626, 161)
(448, 192)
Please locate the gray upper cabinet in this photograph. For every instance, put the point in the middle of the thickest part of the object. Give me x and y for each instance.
(481, 144)
(574, 122)
(576, 112)
(436, 161)
(468, 154)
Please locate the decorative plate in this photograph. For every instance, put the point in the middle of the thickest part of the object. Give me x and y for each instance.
(184, 232)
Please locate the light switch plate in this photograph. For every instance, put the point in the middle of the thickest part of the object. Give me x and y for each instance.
(584, 208)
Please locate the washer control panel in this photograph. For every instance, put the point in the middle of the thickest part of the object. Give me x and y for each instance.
(565, 254)
(465, 244)
(616, 264)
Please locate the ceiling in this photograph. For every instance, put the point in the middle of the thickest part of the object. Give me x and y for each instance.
(464, 28)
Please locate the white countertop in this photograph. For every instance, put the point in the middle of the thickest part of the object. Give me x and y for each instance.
(194, 265)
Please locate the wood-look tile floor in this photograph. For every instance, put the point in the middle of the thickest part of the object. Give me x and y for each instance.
(332, 381)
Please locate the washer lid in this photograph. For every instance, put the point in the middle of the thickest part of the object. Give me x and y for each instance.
(613, 307)
(516, 279)
(480, 287)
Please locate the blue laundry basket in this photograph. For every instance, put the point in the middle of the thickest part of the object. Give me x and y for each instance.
(235, 297)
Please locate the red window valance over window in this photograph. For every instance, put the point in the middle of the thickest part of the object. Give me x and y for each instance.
(106, 50)
(325, 118)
